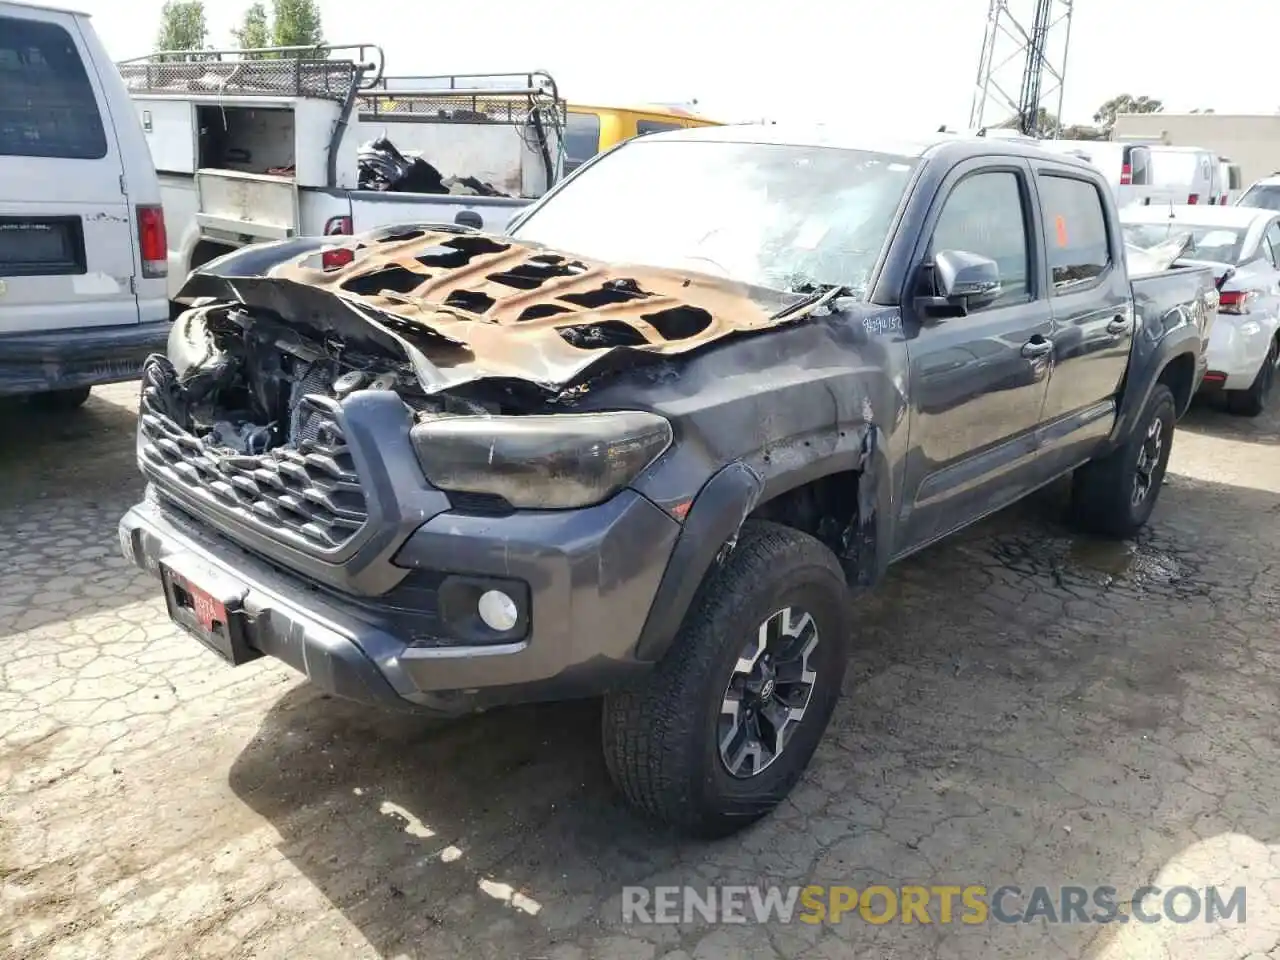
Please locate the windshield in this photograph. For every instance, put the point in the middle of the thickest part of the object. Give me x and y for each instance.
(786, 217)
(1223, 244)
(1263, 196)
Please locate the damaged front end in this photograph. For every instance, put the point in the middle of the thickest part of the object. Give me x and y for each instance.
(479, 345)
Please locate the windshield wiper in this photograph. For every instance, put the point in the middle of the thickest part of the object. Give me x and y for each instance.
(816, 295)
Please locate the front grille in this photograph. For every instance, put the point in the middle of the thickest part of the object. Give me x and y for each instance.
(310, 493)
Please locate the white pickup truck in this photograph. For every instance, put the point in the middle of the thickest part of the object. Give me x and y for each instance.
(264, 144)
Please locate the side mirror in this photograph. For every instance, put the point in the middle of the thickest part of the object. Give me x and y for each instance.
(962, 281)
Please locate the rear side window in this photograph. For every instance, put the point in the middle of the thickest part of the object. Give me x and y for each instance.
(1233, 177)
(47, 105)
(1271, 242)
(1138, 160)
(1264, 196)
(581, 139)
(655, 126)
(1075, 224)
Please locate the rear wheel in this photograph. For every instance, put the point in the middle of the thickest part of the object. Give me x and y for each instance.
(1114, 496)
(726, 723)
(60, 400)
(1251, 402)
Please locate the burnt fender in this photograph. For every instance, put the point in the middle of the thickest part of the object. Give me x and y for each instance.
(724, 502)
(868, 543)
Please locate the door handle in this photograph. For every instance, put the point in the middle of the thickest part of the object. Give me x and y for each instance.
(1119, 325)
(1036, 348)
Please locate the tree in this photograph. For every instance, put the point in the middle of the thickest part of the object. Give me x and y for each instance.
(182, 26)
(296, 23)
(1082, 131)
(1046, 124)
(253, 32)
(1125, 103)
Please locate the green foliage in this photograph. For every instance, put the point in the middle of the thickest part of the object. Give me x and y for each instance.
(1125, 103)
(182, 26)
(296, 23)
(253, 31)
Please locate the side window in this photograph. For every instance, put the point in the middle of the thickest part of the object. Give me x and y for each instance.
(47, 104)
(581, 139)
(1075, 224)
(1139, 161)
(1271, 242)
(655, 126)
(984, 214)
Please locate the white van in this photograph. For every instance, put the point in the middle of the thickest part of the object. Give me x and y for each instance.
(1232, 184)
(1127, 166)
(83, 254)
(1190, 175)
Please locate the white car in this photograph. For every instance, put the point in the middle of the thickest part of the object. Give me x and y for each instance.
(1265, 194)
(1244, 244)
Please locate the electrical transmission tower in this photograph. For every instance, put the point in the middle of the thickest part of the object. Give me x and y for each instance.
(1023, 65)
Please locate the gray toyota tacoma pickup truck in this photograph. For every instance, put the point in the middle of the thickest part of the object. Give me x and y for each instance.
(653, 444)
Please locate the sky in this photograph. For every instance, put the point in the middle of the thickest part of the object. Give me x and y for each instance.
(900, 65)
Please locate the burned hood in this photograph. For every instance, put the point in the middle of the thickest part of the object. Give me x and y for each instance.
(465, 306)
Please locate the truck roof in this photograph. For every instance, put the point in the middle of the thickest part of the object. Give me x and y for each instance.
(844, 138)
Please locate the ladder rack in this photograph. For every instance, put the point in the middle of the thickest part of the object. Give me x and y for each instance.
(266, 71)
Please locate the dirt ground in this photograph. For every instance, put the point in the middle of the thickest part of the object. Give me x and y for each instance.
(1024, 707)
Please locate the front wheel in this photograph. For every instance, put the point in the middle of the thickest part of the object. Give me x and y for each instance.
(1114, 496)
(726, 723)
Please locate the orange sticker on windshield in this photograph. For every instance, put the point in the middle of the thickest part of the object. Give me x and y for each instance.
(1060, 224)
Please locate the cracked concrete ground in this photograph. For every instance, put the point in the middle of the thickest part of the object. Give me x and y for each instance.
(1024, 707)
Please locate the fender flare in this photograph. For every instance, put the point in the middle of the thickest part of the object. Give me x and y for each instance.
(717, 514)
(1138, 390)
(728, 499)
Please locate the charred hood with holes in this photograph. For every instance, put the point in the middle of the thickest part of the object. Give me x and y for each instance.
(456, 306)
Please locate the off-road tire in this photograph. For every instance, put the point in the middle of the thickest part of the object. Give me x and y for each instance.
(1102, 490)
(660, 736)
(1251, 402)
(58, 401)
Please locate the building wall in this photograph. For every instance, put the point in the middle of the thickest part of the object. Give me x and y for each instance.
(1253, 141)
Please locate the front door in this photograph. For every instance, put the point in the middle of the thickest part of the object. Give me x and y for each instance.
(978, 380)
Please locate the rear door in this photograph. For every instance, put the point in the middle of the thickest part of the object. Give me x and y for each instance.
(1093, 315)
(1174, 174)
(66, 229)
(1135, 176)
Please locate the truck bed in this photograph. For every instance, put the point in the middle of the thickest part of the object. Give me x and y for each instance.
(1172, 296)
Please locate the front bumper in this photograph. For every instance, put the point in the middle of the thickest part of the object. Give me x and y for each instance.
(590, 574)
(77, 357)
(1237, 347)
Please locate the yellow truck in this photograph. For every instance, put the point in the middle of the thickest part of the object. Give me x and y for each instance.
(591, 129)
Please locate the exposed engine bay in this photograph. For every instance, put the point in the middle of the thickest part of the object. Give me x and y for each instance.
(248, 384)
